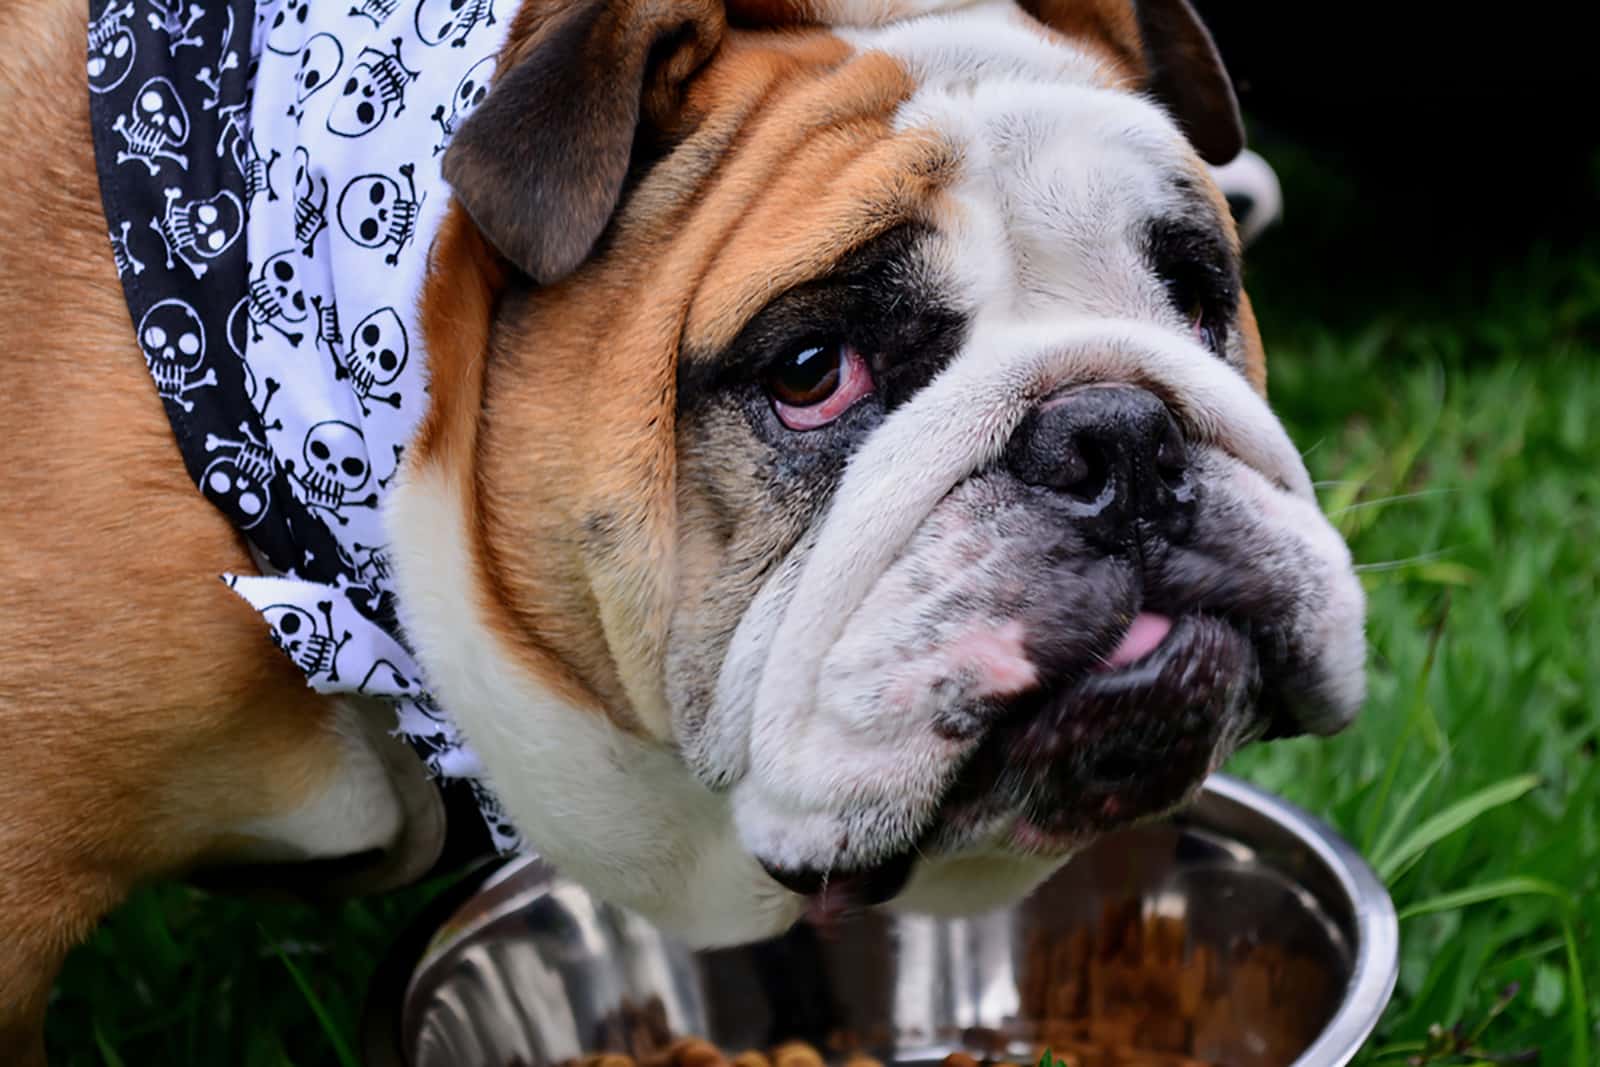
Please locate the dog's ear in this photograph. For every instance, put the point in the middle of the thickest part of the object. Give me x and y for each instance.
(540, 164)
(1174, 55)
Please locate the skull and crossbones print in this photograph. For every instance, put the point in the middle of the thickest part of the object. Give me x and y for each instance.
(275, 193)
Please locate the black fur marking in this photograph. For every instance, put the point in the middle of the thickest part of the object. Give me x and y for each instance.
(1195, 263)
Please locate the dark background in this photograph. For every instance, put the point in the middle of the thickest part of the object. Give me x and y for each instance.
(1460, 127)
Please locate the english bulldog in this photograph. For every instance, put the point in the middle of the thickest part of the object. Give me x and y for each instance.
(846, 480)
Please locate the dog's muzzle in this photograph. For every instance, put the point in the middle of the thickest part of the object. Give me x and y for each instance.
(1149, 647)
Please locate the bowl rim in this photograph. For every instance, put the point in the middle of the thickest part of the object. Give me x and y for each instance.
(1375, 962)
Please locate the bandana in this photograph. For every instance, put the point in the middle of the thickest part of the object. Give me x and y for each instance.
(270, 174)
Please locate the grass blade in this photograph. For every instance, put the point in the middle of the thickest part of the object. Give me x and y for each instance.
(335, 1038)
(1416, 716)
(108, 1052)
(1457, 815)
(1578, 994)
(1404, 810)
(1482, 894)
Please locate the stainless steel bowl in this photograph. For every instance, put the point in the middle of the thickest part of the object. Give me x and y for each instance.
(521, 967)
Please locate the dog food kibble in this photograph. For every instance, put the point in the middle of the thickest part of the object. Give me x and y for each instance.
(796, 1054)
(1131, 991)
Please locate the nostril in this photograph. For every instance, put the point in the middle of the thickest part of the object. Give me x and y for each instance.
(1120, 765)
(1172, 458)
(1086, 468)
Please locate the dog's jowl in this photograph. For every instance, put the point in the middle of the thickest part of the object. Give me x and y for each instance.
(731, 451)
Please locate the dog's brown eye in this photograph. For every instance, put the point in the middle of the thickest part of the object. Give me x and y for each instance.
(807, 377)
(816, 384)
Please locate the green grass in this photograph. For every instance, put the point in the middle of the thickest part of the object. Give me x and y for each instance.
(1451, 420)
(1461, 464)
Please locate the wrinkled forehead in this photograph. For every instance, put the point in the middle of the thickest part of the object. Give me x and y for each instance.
(970, 119)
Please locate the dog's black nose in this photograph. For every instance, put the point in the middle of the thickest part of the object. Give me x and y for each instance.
(1117, 453)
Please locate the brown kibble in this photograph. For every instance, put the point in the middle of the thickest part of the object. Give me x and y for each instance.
(695, 1052)
(1130, 991)
(796, 1054)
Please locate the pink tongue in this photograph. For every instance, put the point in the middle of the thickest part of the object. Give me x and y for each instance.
(1148, 631)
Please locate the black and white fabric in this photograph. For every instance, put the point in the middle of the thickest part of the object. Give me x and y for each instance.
(270, 173)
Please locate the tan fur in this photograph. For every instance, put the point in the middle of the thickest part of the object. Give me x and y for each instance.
(124, 762)
(1111, 25)
(1255, 355)
(705, 240)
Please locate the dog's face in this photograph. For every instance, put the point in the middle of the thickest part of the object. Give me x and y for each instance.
(877, 500)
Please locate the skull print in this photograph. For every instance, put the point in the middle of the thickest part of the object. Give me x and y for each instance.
(286, 33)
(386, 680)
(277, 298)
(369, 569)
(370, 564)
(112, 47)
(198, 230)
(470, 91)
(336, 469)
(172, 20)
(255, 168)
(320, 61)
(122, 255)
(174, 342)
(375, 88)
(227, 59)
(239, 480)
(220, 100)
(233, 127)
(374, 212)
(438, 21)
(156, 127)
(305, 640)
(328, 333)
(376, 10)
(310, 202)
(238, 328)
(378, 353)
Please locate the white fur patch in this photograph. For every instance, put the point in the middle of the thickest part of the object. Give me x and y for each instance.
(619, 814)
(356, 811)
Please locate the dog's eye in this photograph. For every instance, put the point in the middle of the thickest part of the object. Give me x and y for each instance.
(1187, 288)
(815, 384)
(1200, 275)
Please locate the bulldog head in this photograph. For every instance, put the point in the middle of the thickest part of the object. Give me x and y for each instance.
(848, 476)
